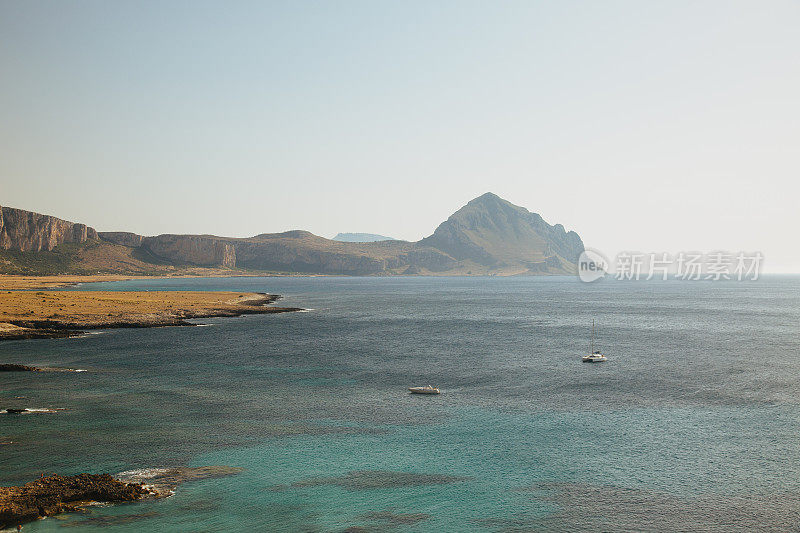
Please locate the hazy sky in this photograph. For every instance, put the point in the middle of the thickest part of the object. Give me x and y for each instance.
(654, 126)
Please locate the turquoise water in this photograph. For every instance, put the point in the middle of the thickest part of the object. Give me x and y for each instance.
(693, 423)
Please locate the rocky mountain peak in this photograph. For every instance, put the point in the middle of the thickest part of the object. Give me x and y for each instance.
(494, 232)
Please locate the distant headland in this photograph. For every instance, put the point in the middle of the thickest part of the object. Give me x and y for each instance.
(361, 237)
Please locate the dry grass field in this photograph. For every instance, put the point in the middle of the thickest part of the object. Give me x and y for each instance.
(25, 314)
(22, 282)
(14, 282)
(90, 307)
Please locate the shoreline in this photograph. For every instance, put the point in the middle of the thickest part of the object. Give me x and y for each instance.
(61, 314)
(61, 281)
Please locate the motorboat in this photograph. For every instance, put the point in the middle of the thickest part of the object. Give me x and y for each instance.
(427, 389)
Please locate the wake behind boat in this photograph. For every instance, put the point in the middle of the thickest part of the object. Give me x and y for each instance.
(427, 389)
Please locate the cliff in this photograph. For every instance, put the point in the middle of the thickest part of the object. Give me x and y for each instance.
(27, 231)
(200, 250)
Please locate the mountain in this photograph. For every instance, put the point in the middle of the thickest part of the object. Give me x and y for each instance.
(493, 232)
(361, 237)
(488, 236)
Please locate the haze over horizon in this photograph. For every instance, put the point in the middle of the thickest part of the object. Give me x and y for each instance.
(666, 129)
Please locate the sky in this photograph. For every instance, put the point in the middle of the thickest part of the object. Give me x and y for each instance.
(644, 126)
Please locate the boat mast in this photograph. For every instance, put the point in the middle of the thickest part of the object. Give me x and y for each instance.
(591, 344)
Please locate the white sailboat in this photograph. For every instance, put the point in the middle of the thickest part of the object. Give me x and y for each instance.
(594, 356)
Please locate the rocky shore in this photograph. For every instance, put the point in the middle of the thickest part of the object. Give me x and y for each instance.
(57, 494)
(49, 314)
(16, 367)
(13, 367)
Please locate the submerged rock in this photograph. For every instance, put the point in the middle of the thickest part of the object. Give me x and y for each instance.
(388, 517)
(163, 481)
(378, 479)
(103, 520)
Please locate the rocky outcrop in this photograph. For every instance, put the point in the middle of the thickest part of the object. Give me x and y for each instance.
(27, 231)
(11, 332)
(57, 494)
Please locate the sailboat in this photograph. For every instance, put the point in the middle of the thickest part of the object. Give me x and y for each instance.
(594, 356)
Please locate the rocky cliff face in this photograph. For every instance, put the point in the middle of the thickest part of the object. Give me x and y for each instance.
(201, 250)
(27, 231)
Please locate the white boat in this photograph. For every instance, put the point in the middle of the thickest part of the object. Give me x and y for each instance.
(594, 356)
(427, 389)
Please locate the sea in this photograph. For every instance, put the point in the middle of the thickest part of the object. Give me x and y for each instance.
(693, 423)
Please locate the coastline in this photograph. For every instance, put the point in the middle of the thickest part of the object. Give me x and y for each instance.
(35, 282)
(57, 314)
(32, 307)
